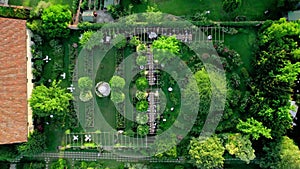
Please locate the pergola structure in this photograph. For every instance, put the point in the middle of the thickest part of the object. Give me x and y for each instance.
(186, 35)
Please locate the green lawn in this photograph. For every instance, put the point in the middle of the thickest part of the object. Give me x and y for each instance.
(252, 9)
(54, 137)
(242, 42)
(33, 3)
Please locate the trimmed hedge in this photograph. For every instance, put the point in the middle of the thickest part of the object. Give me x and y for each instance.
(14, 12)
(230, 23)
(90, 26)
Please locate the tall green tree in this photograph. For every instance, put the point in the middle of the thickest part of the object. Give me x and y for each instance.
(55, 21)
(207, 152)
(53, 100)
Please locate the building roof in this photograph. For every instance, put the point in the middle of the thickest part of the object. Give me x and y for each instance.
(88, 16)
(293, 15)
(13, 81)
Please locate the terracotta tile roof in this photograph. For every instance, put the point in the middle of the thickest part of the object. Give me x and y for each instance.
(13, 81)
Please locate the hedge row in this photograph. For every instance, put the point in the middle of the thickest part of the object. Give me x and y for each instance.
(183, 24)
(230, 23)
(14, 12)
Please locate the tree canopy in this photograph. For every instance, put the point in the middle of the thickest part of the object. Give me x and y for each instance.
(55, 21)
(50, 100)
(207, 152)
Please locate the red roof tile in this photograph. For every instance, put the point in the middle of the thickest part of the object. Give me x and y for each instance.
(13, 81)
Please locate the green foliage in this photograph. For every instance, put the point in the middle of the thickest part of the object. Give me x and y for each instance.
(53, 100)
(142, 106)
(19, 13)
(141, 49)
(204, 86)
(278, 30)
(117, 11)
(55, 21)
(254, 128)
(95, 40)
(142, 83)
(117, 82)
(153, 15)
(169, 44)
(86, 37)
(142, 130)
(275, 71)
(37, 11)
(119, 41)
(90, 26)
(231, 5)
(36, 144)
(85, 83)
(117, 96)
(59, 164)
(289, 73)
(35, 26)
(281, 154)
(8, 152)
(136, 166)
(240, 146)
(141, 60)
(134, 41)
(166, 146)
(142, 118)
(85, 95)
(207, 152)
(33, 165)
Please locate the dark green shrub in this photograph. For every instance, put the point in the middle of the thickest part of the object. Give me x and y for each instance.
(19, 13)
(36, 144)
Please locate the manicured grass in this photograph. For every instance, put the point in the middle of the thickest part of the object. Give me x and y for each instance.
(33, 3)
(54, 137)
(105, 72)
(252, 9)
(242, 42)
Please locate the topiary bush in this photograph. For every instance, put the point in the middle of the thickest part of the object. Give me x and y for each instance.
(142, 83)
(142, 118)
(141, 60)
(85, 83)
(141, 95)
(142, 106)
(117, 82)
(117, 96)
